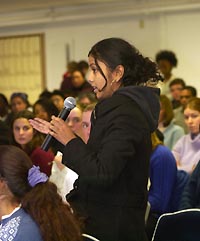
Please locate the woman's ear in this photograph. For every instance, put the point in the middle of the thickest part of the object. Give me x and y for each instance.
(119, 72)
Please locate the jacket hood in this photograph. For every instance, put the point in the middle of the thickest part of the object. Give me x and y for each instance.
(147, 99)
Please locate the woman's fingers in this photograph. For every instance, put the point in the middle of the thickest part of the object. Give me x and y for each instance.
(40, 125)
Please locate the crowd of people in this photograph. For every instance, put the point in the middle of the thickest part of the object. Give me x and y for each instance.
(133, 138)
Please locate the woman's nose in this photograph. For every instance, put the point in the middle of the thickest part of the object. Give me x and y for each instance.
(190, 119)
(90, 77)
(21, 131)
(70, 123)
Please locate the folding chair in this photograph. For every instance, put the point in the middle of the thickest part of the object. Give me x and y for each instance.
(178, 226)
(88, 237)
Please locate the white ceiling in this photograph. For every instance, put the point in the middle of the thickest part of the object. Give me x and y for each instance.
(26, 12)
(20, 5)
(8, 6)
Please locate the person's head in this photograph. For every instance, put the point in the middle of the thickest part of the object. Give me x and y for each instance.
(45, 94)
(58, 98)
(78, 79)
(22, 130)
(74, 120)
(44, 109)
(86, 98)
(4, 106)
(71, 67)
(83, 66)
(186, 93)
(19, 101)
(114, 63)
(176, 87)
(22, 183)
(166, 61)
(86, 123)
(192, 115)
(23, 133)
(166, 111)
(14, 166)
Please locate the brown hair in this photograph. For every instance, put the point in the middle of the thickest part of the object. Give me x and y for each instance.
(89, 107)
(37, 139)
(41, 202)
(166, 105)
(194, 104)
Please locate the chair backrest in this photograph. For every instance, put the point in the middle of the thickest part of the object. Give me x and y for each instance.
(88, 237)
(180, 226)
(148, 208)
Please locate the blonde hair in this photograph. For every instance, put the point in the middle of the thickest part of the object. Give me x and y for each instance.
(155, 140)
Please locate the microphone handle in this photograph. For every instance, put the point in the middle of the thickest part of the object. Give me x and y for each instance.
(49, 138)
(47, 142)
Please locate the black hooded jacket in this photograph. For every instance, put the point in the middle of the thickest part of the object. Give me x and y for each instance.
(113, 166)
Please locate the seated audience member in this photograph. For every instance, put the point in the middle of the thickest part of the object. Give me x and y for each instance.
(190, 197)
(172, 133)
(166, 61)
(186, 93)
(18, 102)
(175, 90)
(86, 121)
(30, 141)
(163, 175)
(74, 121)
(58, 98)
(44, 109)
(79, 83)
(31, 209)
(45, 94)
(66, 80)
(4, 108)
(187, 151)
(86, 99)
(83, 67)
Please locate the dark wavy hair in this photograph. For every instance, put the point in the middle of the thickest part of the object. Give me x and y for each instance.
(42, 202)
(167, 55)
(48, 106)
(138, 70)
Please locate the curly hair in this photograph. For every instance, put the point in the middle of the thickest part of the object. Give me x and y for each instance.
(138, 70)
(167, 55)
(41, 202)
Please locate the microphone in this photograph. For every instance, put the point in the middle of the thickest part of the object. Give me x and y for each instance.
(69, 104)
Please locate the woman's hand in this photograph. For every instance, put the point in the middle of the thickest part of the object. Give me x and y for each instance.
(58, 161)
(60, 130)
(40, 125)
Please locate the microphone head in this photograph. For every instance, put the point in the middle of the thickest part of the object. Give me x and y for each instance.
(70, 103)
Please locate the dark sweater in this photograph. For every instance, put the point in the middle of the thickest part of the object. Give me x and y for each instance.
(113, 167)
(191, 195)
